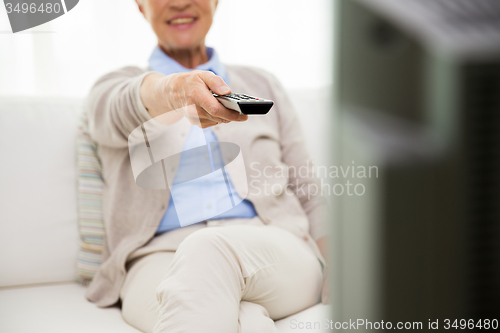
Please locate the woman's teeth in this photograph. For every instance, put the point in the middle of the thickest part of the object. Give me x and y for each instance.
(183, 20)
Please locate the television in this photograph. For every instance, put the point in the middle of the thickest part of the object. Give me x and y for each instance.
(417, 95)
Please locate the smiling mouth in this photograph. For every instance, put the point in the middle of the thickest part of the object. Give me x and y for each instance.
(182, 20)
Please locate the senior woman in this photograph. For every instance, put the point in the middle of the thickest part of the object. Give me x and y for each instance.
(259, 261)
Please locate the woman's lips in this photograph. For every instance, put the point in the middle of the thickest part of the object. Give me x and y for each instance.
(182, 22)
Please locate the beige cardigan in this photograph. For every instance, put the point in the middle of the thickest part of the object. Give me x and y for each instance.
(133, 214)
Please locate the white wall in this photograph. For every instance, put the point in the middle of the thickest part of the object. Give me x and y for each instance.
(290, 38)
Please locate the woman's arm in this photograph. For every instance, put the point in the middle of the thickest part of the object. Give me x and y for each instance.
(121, 101)
(114, 107)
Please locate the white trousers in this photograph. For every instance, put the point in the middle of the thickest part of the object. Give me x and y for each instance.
(223, 280)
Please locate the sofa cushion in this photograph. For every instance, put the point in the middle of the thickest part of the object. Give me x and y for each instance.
(39, 238)
(62, 308)
(56, 308)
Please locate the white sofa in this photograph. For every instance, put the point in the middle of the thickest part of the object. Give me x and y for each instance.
(38, 217)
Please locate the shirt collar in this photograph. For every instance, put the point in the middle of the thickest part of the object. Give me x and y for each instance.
(160, 62)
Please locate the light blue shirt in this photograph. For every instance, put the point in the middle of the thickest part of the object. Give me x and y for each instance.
(160, 62)
(211, 193)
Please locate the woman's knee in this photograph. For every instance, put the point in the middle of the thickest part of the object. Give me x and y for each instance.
(203, 261)
(204, 255)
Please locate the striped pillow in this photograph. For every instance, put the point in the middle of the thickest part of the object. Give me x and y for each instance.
(90, 221)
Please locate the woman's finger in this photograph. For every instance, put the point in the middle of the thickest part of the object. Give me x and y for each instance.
(204, 115)
(216, 110)
(208, 123)
(214, 82)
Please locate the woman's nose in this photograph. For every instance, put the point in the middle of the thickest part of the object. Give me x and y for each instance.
(179, 4)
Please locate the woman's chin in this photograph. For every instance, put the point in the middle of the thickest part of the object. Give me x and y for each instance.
(184, 44)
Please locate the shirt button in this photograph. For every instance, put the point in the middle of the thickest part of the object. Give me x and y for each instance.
(209, 206)
(306, 238)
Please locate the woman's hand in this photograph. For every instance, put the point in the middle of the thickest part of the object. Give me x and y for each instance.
(189, 94)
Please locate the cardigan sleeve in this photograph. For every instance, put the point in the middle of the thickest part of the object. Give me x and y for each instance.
(114, 107)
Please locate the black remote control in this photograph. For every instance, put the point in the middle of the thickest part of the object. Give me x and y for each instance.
(245, 104)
